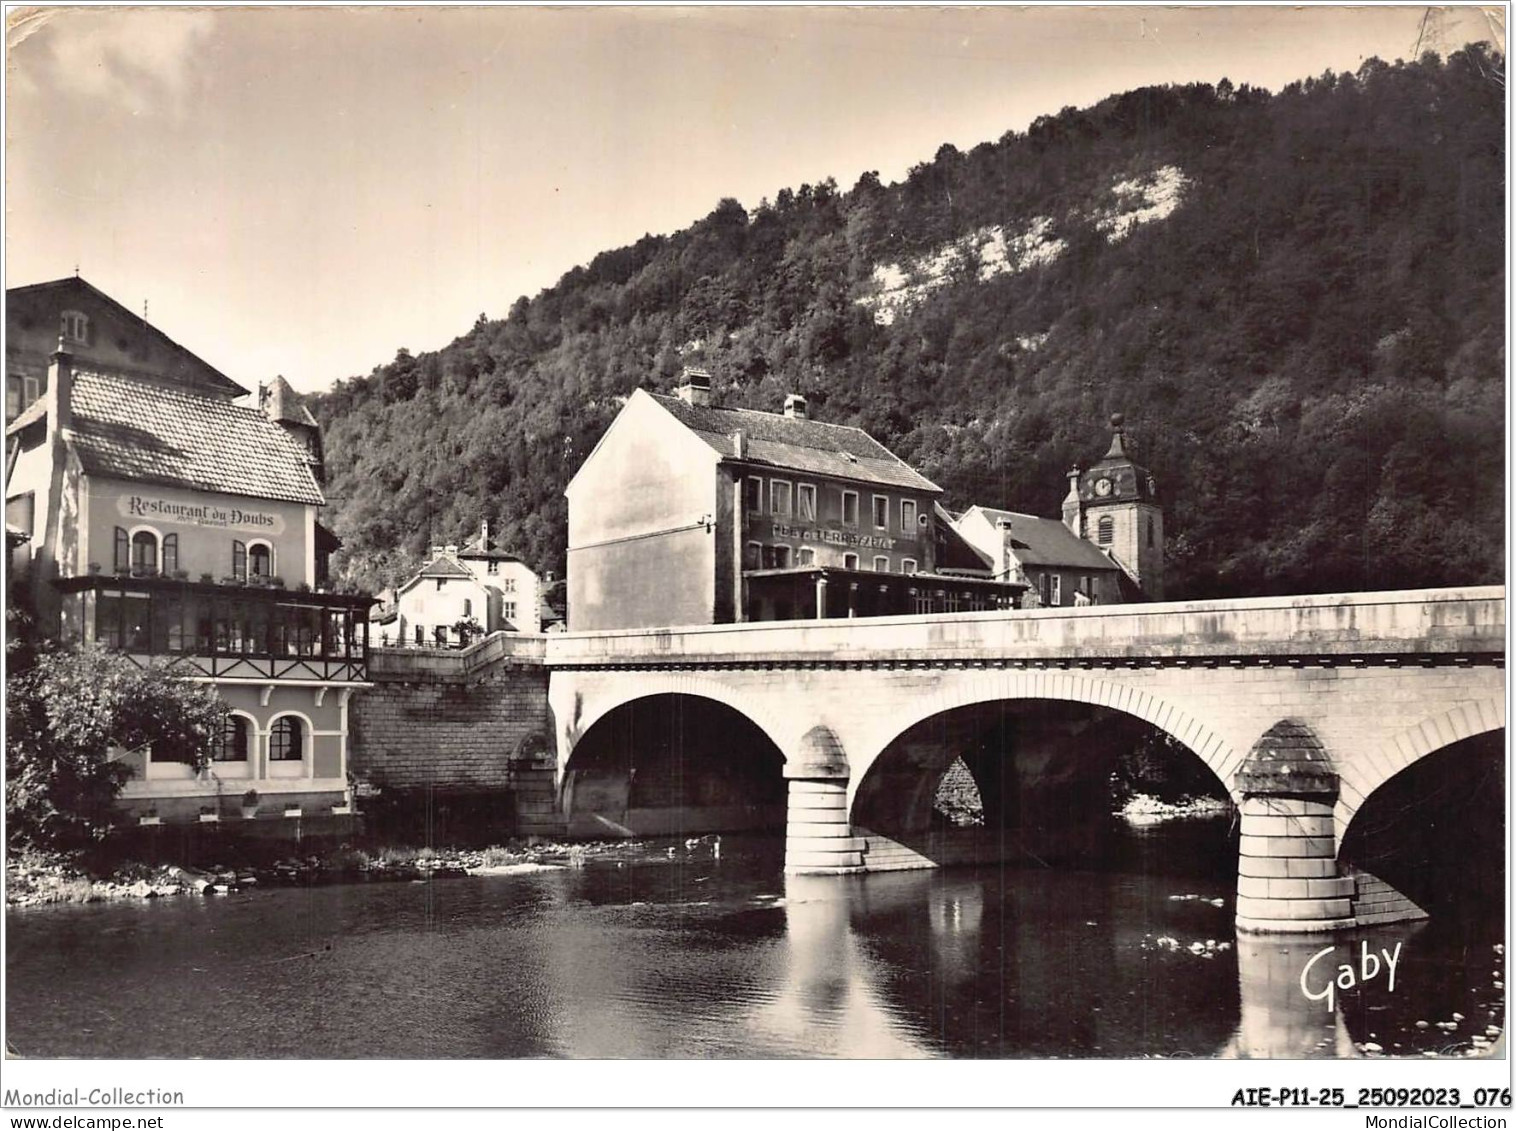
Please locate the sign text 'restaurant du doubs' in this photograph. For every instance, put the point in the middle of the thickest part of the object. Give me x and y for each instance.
(201, 514)
(833, 537)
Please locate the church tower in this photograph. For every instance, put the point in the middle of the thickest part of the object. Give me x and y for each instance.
(1114, 504)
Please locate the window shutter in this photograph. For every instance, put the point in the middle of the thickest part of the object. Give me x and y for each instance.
(239, 560)
(123, 552)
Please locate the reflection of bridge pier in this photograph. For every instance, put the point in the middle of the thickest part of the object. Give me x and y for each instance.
(827, 1003)
(1278, 1022)
(1378, 681)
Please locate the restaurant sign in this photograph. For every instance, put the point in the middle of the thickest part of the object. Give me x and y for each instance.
(833, 537)
(200, 514)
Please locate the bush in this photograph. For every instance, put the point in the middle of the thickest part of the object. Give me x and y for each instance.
(64, 714)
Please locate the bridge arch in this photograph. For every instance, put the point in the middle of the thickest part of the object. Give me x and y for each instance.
(671, 760)
(1363, 776)
(652, 683)
(1063, 686)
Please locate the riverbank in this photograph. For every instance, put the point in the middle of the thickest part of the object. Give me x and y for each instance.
(34, 878)
(1145, 808)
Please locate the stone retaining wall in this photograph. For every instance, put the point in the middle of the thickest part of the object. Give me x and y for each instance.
(473, 722)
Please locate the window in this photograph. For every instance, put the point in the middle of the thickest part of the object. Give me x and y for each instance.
(776, 557)
(849, 561)
(439, 584)
(881, 565)
(144, 553)
(508, 585)
(239, 560)
(850, 508)
(805, 502)
(12, 398)
(908, 517)
(75, 326)
(752, 496)
(439, 635)
(752, 555)
(881, 512)
(233, 746)
(286, 740)
(907, 565)
(260, 560)
(1057, 589)
(779, 497)
(492, 568)
(1150, 530)
(170, 553)
(468, 608)
(420, 635)
(952, 602)
(1105, 530)
(508, 611)
(921, 602)
(806, 556)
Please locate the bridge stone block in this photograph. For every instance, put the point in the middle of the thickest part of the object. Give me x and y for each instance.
(1276, 846)
(818, 836)
(1262, 824)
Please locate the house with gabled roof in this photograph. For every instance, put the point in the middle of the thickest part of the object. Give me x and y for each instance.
(1106, 550)
(168, 522)
(462, 592)
(690, 512)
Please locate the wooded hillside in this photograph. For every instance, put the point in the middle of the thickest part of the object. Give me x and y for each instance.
(1296, 299)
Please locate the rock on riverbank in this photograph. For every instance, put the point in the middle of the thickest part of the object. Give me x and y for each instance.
(34, 879)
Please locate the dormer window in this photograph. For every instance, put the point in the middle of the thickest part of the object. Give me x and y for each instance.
(75, 327)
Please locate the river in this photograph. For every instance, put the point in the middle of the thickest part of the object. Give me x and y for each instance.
(676, 951)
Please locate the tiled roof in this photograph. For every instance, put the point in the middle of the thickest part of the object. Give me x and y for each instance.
(443, 567)
(150, 433)
(810, 446)
(1046, 541)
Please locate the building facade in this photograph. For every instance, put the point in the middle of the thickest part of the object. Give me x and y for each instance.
(165, 521)
(687, 512)
(462, 593)
(1108, 548)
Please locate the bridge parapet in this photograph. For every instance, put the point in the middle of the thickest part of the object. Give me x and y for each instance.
(1435, 624)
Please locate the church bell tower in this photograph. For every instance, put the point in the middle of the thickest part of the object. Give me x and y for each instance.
(1114, 504)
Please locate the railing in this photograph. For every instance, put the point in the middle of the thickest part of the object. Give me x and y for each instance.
(1435, 623)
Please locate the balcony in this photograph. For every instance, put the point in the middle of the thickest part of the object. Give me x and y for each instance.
(253, 632)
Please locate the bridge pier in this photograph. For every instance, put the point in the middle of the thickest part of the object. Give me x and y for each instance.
(1288, 881)
(818, 838)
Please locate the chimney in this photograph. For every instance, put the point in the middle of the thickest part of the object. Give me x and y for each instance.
(694, 387)
(450, 550)
(1072, 508)
(1005, 560)
(794, 407)
(484, 534)
(739, 444)
(436, 551)
(60, 389)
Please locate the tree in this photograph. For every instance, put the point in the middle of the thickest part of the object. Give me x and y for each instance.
(66, 712)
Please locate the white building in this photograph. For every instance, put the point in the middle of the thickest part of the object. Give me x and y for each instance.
(461, 593)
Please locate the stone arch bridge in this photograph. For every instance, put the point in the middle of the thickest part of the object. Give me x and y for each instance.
(1303, 707)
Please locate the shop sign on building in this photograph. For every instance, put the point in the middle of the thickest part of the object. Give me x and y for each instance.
(200, 514)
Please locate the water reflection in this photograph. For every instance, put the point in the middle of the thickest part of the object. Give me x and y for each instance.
(1278, 1021)
(689, 956)
(827, 1001)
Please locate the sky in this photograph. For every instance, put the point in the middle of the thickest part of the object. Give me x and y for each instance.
(304, 191)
